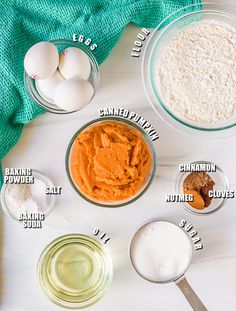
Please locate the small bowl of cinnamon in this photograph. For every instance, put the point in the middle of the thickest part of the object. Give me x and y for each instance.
(205, 185)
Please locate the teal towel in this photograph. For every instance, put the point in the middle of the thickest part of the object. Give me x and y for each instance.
(24, 23)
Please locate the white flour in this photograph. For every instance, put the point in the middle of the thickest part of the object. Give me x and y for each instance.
(161, 251)
(196, 73)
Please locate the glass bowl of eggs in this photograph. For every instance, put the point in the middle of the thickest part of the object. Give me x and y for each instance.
(61, 76)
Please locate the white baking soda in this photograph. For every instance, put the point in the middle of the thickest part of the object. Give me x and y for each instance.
(26, 198)
(160, 251)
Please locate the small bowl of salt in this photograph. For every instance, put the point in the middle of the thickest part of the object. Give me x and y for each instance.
(19, 199)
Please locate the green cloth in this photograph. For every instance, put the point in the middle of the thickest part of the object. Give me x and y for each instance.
(24, 23)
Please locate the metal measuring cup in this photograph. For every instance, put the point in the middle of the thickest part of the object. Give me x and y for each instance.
(179, 280)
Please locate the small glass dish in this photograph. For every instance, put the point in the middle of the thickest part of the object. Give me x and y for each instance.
(74, 271)
(49, 199)
(165, 31)
(221, 183)
(151, 171)
(94, 77)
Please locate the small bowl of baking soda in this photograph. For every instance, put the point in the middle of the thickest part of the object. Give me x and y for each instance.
(189, 68)
(23, 200)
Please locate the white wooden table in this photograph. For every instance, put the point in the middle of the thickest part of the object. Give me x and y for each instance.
(43, 146)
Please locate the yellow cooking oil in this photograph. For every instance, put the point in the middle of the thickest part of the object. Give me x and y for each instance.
(75, 270)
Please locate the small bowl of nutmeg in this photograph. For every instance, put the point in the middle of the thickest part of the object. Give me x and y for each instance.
(205, 185)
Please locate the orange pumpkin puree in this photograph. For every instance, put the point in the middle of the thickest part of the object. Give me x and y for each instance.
(109, 161)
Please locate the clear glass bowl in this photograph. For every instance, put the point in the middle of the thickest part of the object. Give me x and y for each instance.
(221, 183)
(149, 177)
(94, 77)
(74, 271)
(168, 29)
(50, 199)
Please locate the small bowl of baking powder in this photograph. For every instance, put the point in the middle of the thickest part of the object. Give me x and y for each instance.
(189, 68)
(23, 200)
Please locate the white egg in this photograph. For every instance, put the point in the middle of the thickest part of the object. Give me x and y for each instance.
(74, 63)
(46, 87)
(73, 94)
(41, 60)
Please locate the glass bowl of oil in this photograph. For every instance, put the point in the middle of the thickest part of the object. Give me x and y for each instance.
(74, 271)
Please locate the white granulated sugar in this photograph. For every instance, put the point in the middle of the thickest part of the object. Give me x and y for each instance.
(196, 73)
(161, 251)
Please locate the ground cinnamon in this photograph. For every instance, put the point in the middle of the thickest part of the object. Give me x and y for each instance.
(199, 183)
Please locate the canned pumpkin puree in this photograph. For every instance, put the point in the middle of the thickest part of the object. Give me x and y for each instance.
(110, 161)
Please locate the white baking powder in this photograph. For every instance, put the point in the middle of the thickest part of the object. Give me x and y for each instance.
(26, 198)
(160, 251)
(196, 73)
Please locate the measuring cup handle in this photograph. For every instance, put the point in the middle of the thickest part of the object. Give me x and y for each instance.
(190, 295)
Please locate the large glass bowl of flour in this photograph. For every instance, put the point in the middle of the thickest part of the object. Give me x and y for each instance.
(189, 69)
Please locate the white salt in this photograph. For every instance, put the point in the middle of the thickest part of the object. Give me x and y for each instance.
(26, 198)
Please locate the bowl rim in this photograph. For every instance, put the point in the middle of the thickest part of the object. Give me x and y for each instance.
(147, 74)
(147, 140)
(190, 209)
(29, 82)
